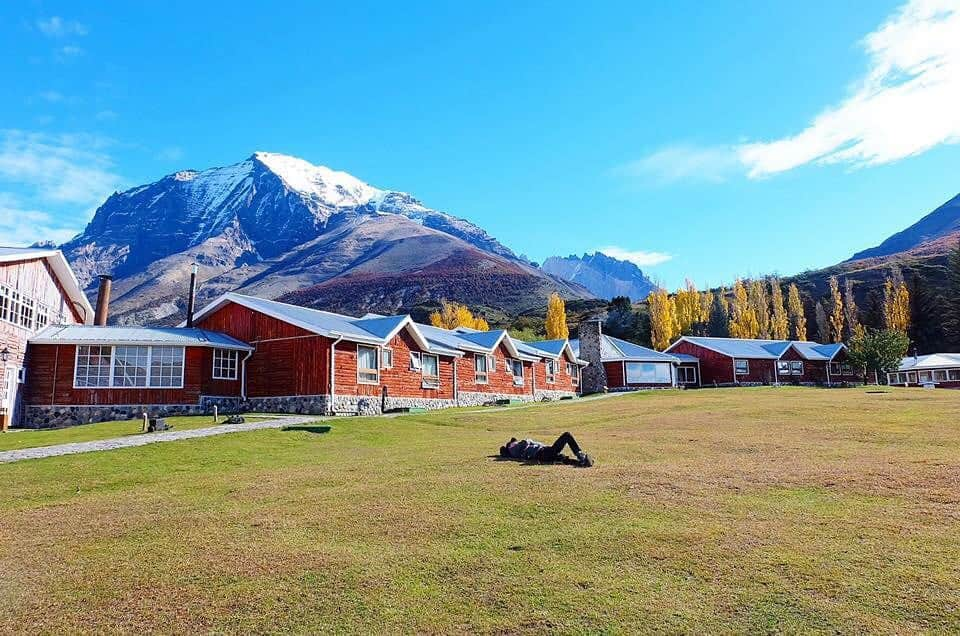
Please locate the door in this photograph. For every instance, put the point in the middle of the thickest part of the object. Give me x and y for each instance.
(11, 389)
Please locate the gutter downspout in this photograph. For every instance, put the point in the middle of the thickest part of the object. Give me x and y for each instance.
(533, 377)
(333, 365)
(776, 371)
(243, 376)
(829, 362)
(456, 383)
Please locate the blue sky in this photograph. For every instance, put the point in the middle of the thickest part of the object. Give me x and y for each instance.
(703, 140)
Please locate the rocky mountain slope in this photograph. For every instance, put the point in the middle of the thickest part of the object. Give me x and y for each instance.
(926, 235)
(604, 276)
(277, 226)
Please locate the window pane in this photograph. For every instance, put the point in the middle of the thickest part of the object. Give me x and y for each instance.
(130, 366)
(414, 361)
(954, 374)
(93, 367)
(430, 366)
(940, 376)
(166, 367)
(480, 363)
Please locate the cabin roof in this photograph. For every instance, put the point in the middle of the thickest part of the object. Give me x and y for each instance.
(159, 336)
(61, 269)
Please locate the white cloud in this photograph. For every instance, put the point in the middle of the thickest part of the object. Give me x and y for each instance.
(905, 104)
(57, 27)
(58, 168)
(637, 257)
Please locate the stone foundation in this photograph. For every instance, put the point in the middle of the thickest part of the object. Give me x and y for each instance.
(550, 395)
(60, 416)
(468, 398)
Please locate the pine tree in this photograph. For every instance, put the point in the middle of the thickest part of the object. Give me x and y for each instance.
(823, 323)
(951, 325)
(851, 314)
(779, 323)
(743, 318)
(556, 323)
(664, 326)
(719, 321)
(760, 303)
(797, 315)
(453, 315)
(926, 329)
(873, 317)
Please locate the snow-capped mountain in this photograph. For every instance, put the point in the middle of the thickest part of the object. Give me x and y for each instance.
(604, 276)
(274, 225)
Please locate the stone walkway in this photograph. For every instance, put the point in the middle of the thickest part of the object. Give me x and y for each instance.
(151, 438)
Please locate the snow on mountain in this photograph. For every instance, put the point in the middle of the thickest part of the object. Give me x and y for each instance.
(605, 276)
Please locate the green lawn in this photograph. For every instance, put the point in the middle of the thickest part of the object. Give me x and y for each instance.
(747, 510)
(28, 438)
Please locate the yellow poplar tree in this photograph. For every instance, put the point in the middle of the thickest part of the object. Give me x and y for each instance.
(896, 303)
(798, 319)
(706, 305)
(664, 326)
(779, 323)
(687, 302)
(453, 315)
(743, 319)
(836, 311)
(556, 318)
(760, 303)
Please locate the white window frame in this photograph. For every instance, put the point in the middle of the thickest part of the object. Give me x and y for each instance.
(911, 377)
(111, 381)
(415, 363)
(551, 371)
(835, 368)
(746, 363)
(374, 371)
(944, 377)
(783, 367)
(429, 382)
(223, 371)
(953, 375)
(515, 364)
(492, 363)
(796, 367)
(386, 358)
(846, 369)
(20, 310)
(684, 373)
(481, 376)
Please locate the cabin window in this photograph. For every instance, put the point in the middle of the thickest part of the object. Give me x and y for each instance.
(846, 369)
(480, 366)
(130, 365)
(687, 375)
(835, 368)
(386, 358)
(43, 317)
(796, 367)
(4, 303)
(225, 364)
(742, 367)
(26, 313)
(516, 368)
(414, 360)
(492, 364)
(954, 375)
(940, 375)
(783, 367)
(368, 369)
(570, 369)
(926, 376)
(93, 366)
(19, 310)
(431, 371)
(551, 371)
(166, 367)
(648, 373)
(912, 377)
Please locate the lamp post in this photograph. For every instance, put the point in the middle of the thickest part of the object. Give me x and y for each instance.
(5, 355)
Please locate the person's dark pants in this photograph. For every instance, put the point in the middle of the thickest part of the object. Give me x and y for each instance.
(551, 453)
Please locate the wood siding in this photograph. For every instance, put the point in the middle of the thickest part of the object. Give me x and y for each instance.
(563, 381)
(500, 379)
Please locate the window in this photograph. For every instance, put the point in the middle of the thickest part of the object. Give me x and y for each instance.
(26, 313)
(130, 366)
(492, 363)
(386, 358)
(516, 368)
(783, 367)
(93, 367)
(480, 368)
(940, 375)
(166, 367)
(742, 367)
(846, 369)
(835, 368)
(22, 311)
(368, 371)
(551, 371)
(225, 364)
(570, 369)
(925, 376)
(954, 375)
(431, 371)
(796, 367)
(648, 373)
(43, 317)
(687, 375)
(912, 377)
(414, 361)
(4, 303)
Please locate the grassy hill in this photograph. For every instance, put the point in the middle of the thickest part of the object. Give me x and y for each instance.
(740, 510)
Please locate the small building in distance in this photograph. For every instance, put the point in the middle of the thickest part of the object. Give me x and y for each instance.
(937, 369)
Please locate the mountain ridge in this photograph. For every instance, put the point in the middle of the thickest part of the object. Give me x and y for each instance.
(605, 276)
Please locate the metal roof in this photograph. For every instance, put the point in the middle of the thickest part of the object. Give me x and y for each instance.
(763, 349)
(61, 269)
(172, 336)
(930, 361)
(614, 349)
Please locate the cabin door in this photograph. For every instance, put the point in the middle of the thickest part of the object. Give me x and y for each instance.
(8, 394)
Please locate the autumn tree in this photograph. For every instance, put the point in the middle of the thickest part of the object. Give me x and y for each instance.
(836, 311)
(664, 326)
(687, 301)
(796, 314)
(743, 318)
(556, 318)
(896, 302)
(453, 315)
(779, 323)
(760, 302)
(851, 313)
(701, 328)
(718, 324)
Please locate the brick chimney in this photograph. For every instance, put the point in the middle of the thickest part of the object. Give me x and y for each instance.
(593, 378)
(103, 300)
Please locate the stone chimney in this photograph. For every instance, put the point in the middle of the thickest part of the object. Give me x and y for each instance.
(103, 301)
(593, 379)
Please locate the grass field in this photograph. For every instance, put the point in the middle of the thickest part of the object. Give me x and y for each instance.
(718, 510)
(29, 438)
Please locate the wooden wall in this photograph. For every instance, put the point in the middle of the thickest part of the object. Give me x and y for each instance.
(500, 380)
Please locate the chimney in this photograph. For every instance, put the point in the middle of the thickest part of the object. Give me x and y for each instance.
(193, 296)
(103, 300)
(593, 378)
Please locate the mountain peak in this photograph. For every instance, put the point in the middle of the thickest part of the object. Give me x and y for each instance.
(603, 275)
(332, 187)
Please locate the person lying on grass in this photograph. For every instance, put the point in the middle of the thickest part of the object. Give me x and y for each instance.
(540, 452)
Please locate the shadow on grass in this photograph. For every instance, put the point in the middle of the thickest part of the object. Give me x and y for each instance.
(562, 460)
(308, 428)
